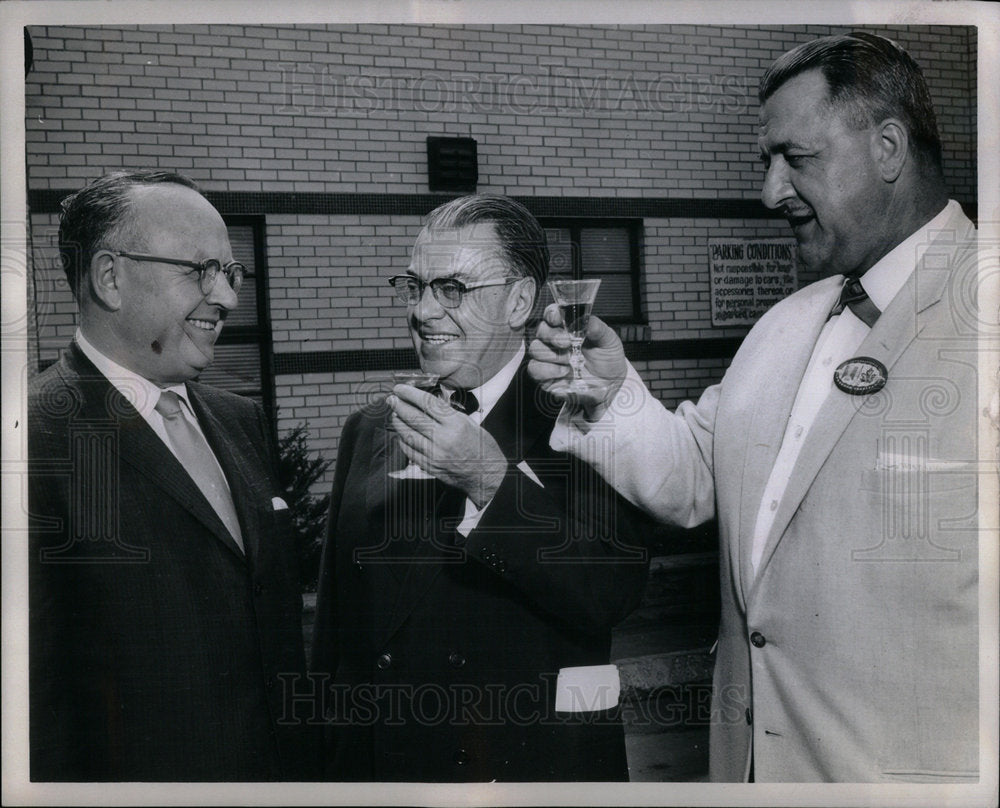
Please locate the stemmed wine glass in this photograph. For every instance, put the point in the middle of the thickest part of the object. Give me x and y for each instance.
(425, 381)
(575, 300)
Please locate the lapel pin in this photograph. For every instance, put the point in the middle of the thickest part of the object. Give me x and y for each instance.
(860, 376)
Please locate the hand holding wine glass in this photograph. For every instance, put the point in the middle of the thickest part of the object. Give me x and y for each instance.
(575, 299)
(604, 365)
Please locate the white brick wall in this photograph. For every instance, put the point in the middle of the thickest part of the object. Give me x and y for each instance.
(629, 111)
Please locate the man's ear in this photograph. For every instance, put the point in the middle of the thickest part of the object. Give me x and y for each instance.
(103, 280)
(891, 147)
(523, 301)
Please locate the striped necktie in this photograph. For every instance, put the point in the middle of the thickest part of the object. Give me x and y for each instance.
(199, 462)
(854, 297)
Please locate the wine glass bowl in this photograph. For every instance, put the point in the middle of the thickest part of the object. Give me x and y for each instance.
(575, 299)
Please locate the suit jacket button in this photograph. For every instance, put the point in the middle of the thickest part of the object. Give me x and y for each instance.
(269, 684)
(749, 715)
(456, 660)
(359, 567)
(461, 757)
(258, 588)
(384, 661)
(758, 640)
(501, 566)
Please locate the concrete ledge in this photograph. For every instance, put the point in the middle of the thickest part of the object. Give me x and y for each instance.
(641, 676)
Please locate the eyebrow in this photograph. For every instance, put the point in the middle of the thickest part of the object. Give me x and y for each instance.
(785, 146)
(455, 276)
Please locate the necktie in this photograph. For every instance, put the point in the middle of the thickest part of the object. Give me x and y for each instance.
(198, 461)
(854, 297)
(464, 401)
(461, 400)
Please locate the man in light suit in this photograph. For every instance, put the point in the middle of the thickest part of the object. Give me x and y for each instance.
(463, 622)
(165, 615)
(839, 451)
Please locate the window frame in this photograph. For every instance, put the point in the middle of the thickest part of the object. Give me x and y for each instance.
(261, 334)
(634, 229)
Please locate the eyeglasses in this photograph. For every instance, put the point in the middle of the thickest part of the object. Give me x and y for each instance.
(209, 270)
(447, 291)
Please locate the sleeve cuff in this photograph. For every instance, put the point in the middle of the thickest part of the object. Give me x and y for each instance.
(571, 425)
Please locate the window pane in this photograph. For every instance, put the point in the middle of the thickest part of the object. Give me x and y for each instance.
(605, 249)
(598, 248)
(236, 368)
(614, 298)
(241, 239)
(560, 251)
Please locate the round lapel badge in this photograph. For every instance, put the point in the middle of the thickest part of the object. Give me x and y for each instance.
(860, 376)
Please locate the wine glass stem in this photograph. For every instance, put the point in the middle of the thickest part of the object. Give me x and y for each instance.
(576, 359)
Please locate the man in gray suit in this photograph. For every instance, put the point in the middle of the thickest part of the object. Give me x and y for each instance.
(839, 451)
(165, 616)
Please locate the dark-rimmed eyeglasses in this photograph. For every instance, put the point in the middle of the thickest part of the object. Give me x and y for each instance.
(447, 291)
(208, 271)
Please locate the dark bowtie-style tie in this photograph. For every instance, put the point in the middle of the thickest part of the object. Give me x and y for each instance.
(854, 297)
(196, 456)
(465, 400)
(461, 400)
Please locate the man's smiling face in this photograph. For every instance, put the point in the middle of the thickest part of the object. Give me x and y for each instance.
(823, 176)
(166, 328)
(469, 344)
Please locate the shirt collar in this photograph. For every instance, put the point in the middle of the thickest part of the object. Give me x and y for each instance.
(884, 280)
(488, 394)
(140, 392)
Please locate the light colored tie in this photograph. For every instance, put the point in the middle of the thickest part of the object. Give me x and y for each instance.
(198, 461)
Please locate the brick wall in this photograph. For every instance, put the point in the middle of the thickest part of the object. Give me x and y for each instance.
(327, 277)
(664, 112)
(633, 111)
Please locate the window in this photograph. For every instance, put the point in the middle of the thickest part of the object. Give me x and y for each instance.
(599, 248)
(243, 356)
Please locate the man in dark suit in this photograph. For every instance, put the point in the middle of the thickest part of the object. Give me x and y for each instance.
(464, 621)
(165, 617)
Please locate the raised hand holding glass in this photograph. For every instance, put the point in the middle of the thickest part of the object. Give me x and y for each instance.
(575, 300)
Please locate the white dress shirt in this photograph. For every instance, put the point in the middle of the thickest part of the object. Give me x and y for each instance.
(143, 394)
(837, 342)
(488, 394)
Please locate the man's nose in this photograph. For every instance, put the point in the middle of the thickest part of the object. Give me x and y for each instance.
(221, 294)
(427, 306)
(777, 188)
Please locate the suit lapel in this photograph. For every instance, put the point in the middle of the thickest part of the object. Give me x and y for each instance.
(424, 558)
(139, 447)
(394, 510)
(892, 334)
(245, 494)
(382, 501)
(782, 375)
(517, 418)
